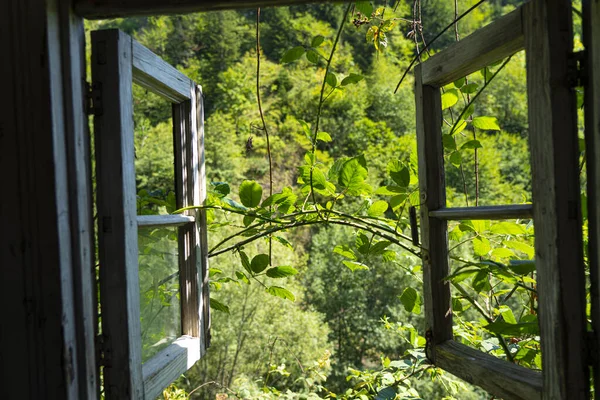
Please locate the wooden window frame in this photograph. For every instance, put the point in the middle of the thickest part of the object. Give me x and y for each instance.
(118, 61)
(544, 30)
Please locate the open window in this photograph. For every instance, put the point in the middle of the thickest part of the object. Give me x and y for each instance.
(118, 62)
(544, 31)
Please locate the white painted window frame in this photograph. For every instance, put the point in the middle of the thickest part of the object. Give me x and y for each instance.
(118, 61)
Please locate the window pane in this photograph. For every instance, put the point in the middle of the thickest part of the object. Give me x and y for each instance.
(160, 309)
(154, 153)
(486, 149)
(494, 291)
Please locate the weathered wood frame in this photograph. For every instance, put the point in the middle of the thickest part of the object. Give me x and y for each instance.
(591, 40)
(117, 62)
(543, 29)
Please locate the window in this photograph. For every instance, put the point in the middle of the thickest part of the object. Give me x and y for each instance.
(118, 61)
(545, 33)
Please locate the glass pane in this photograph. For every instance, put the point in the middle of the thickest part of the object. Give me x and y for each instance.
(154, 153)
(485, 136)
(494, 292)
(160, 309)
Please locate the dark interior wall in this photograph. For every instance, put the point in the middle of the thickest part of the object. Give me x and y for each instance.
(45, 251)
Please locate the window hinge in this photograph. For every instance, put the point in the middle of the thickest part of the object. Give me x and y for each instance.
(591, 345)
(577, 71)
(94, 98)
(102, 353)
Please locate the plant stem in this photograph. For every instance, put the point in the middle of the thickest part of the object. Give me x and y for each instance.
(264, 125)
(321, 101)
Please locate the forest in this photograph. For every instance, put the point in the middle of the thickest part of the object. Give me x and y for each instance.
(316, 282)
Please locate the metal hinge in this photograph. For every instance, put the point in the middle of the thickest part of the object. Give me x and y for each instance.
(577, 73)
(591, 345)
(94, 98)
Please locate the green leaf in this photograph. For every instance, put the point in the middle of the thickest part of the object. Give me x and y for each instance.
(379, 247)
(242, 277)
(487, 74)
(486, 123)
(217, 305)
(259, 263)
(471, 144)
(469, 88)
(520, 246)
(281, 292)
(351, 79)
(411, 300)
(504, 328)
(362, 243)
(331, 79)
(390, 190)
(312, 56)
(365, 8)
(344, 251)
(459, 127)
(388, 25)
(353, 174)
(455, 158)
(481, 281)
(334, 172)
(481, 246)
(281, 272)
(502, 252)
(378, 208)
(284, 242)
(317, 41)
(214, 271)
(355, 265)
(399, 173)
(250, 193)
(459, 83)
(222, 189)
(508, 228)
(448, 142)
(449, 98)
(293, 54)
(463, 273)
(522, 268)
(388, 255)
(245, 261)
(324, 137)
(248, 219)
(307, 131)
(387, 393)
(456, 305)
(397, 201)
(507, 314)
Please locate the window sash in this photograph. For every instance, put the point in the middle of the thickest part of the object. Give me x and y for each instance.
(543, 30)
(117, 62)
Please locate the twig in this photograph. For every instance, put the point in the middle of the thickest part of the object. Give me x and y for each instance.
(321, 101)
(264, 125)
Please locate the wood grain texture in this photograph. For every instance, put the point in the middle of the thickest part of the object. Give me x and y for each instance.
(100, 9)
(153, 73)
(484, 212)
(591, 39)
(434, 232)
(38, 350)
(202, 257)
(162, 369)
(80, 198)
(556, 199)
(116, 201)
(500, 378)
(150, 221)
(489, 44)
